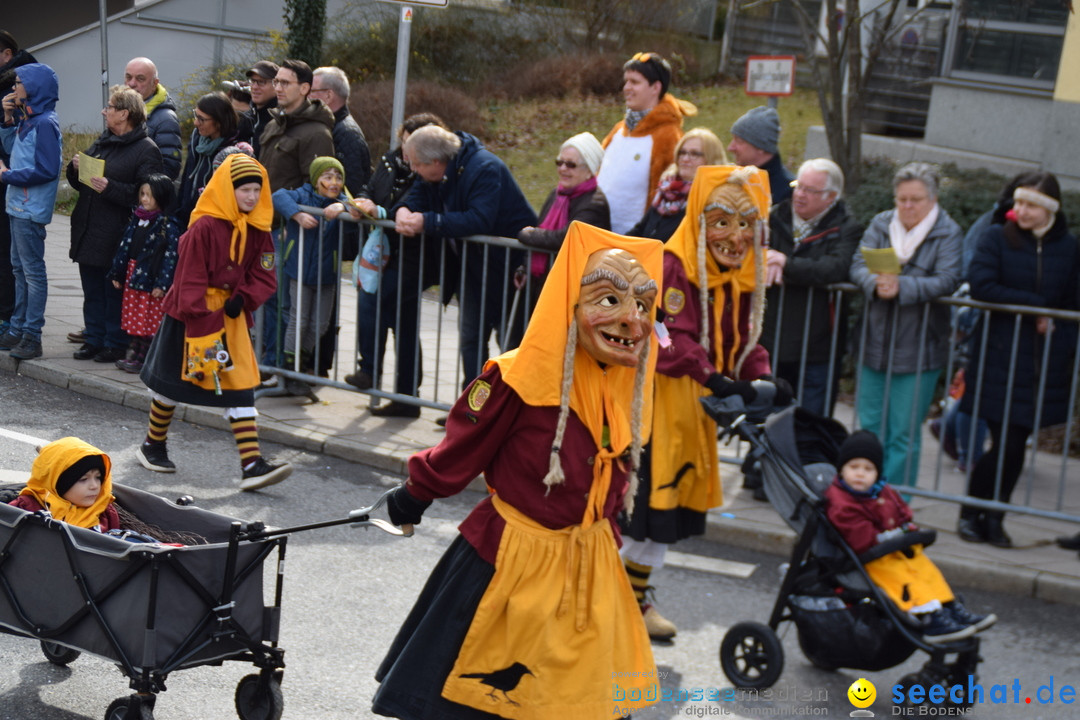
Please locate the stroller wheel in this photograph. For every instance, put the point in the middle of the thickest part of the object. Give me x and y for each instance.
(258, 697)
(751, 655)
(59, 654)
(132, 707)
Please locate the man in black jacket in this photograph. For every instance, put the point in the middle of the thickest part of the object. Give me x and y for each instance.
(812, 238)
(331, 85)
(263, 100)
(162, 125)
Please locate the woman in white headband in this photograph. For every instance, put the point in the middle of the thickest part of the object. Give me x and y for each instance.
(1031, 259)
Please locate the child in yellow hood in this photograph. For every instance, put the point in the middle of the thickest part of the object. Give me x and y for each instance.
(72, 479)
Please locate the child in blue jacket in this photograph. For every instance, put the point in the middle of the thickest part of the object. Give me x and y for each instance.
(31, 137)
(310, 263)
(143, 267)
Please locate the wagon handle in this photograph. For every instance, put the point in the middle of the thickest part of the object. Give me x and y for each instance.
(361, 517)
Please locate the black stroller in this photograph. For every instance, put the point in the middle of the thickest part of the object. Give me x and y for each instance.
(153, 608)
(842, 618)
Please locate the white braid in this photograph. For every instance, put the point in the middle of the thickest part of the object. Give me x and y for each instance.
(703, 285)
(555, 475)
(757, 304)
(636, 410)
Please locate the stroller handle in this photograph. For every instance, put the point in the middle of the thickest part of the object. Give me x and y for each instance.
(361, 517)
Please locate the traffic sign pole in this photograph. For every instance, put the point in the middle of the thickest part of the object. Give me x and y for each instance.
(401, 73)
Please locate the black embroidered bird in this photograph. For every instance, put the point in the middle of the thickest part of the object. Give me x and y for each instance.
(505, 680)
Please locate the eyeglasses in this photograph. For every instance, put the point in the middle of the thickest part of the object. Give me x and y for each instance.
(312, 91)
(808, 190)
(110, 106)
(569, 164)
(279, 83)
(199, 118)
(691, 153)
(260, 82)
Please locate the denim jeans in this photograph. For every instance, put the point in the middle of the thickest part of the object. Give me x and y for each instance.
(101, 308)
(816, 377)
(31, 283)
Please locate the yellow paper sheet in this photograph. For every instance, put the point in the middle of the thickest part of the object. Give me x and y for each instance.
(90, 167)
(881, 260)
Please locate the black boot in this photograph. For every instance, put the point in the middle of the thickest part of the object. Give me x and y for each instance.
(994, 530)
(971, 526)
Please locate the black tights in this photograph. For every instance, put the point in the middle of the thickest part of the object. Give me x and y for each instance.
(983, 475)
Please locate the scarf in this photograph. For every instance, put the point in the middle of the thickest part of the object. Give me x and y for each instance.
(906, 242)
(558, 217)
(633, 117)
(205, 150)
(671, 194)
(873, 492)
(219, 201)
(53, 459)
(146, 216)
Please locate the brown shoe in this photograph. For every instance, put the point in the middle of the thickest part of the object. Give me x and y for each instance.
(658, 626)
(359, 380)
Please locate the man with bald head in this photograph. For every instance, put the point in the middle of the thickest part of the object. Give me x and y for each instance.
(162, 125)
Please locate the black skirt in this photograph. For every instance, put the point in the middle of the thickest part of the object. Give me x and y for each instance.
(425, 649)
(161, 372)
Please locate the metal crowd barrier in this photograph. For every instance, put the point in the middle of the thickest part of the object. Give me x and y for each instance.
(441, 381)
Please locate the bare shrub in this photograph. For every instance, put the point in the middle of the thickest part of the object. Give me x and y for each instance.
(372, 105)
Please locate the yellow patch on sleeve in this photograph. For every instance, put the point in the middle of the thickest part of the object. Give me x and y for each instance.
(478, 395)
(674, 300)
(266, 261)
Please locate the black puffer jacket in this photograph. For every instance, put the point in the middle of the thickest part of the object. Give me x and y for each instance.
(351, 149)
(99, 219)
(1028, 271)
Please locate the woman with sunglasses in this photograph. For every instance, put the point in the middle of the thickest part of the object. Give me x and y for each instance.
(215, 128)
(696, 148)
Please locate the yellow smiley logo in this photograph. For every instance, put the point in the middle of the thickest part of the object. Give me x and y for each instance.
(862, 693)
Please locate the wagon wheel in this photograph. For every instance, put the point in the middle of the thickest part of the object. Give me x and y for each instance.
(259, 697)
(59, 654)
(132, 707)
(751, 655)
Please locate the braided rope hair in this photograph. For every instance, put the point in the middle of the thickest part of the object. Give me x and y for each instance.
(757, 303)
(555, 474)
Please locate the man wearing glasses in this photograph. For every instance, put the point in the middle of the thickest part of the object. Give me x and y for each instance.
(812, 237)
(162, 125)
(263, 100)
(331, 86)
(300, 131)
(642, 144)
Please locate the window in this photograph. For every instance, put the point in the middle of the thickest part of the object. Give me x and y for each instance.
(1013, 41)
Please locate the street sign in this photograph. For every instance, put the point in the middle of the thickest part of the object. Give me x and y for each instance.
(430, 3)
(770, 75)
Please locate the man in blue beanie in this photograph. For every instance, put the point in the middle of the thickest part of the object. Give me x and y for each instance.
(755, 141)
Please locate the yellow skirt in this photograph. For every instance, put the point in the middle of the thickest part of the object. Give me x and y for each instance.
(685, 471)
(558, 633)
(910, 582)
(224, 360)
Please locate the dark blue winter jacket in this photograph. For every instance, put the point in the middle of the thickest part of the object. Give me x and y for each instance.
(155, 261)
(1041, 273)
(320, 263)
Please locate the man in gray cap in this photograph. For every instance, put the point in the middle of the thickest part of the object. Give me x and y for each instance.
(754, 141)
(263, 100)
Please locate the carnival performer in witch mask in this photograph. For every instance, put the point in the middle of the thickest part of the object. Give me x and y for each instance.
(713, 303)
(529, 614)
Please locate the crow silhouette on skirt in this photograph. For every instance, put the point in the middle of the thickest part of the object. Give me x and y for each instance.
(505, 680)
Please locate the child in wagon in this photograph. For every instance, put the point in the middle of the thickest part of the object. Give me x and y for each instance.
(865, 510)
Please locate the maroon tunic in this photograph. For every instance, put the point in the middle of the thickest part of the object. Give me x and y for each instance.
(860, 519)
(510, 443)
(686, 356)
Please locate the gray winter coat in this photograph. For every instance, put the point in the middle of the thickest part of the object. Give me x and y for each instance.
(933, 271)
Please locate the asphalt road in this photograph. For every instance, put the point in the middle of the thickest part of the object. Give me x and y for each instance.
(347, 591)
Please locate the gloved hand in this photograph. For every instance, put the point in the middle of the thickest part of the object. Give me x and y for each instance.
(784, 393)
(404, 509)
(234, 306)
(723, 387)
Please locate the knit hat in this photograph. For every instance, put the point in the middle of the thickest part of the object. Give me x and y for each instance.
(760, 127)
(244, 170)
(321, 164)
(653, 67)
(240, 147)
(590, 149)
(76, 470)
(861, 444)
(264, 69)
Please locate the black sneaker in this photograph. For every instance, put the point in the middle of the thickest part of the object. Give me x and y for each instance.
(396, 409)
(154, 456)
(9, 340)
(940, 627)
(359, 380)
(86, 352)
(963, 616)
(262, 474)
(110, 355)
(27, 349)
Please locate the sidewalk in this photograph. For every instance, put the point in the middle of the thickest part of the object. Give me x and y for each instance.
(339, 425)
